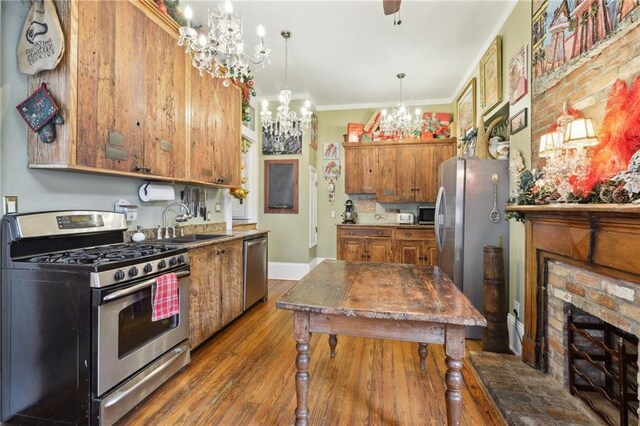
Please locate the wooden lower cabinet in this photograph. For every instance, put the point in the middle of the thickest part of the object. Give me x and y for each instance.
(386, 244)
(216, 295)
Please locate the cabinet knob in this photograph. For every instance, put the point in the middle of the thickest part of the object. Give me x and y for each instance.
(137, 168)
(219, 180)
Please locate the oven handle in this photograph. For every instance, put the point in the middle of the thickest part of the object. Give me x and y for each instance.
(138, 287)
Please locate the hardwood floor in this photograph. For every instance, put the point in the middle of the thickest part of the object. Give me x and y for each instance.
(245, 376)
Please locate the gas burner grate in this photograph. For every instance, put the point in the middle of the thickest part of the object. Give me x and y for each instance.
(103, 254)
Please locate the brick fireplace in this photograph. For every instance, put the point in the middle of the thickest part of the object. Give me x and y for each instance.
(580, 257)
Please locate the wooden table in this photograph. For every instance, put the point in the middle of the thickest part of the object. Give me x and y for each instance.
(381, 300)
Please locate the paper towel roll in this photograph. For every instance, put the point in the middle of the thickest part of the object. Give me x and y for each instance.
(156, 192)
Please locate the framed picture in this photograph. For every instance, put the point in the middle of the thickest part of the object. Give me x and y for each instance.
(331, 168)
(518, 121)
(314, 131)
(491, 76)
(277, 145)
(518, 75)
(466, 108)
(331, 151)
(281, 186)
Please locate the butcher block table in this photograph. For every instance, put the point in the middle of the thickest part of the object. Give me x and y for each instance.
(381, 300)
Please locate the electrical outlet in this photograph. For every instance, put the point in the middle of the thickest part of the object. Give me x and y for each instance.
(10, 204)
(218, 208)
(516, 308)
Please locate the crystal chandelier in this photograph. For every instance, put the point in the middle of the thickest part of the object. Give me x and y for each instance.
(220, 50)
(286, 123)
(400, 123)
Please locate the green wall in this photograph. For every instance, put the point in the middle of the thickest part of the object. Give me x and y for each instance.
(289, 233)
(332, 125)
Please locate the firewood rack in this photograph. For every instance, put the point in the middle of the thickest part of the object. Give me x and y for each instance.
(608, 354)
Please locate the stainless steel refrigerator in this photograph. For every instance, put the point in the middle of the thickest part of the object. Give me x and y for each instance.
(467, 219)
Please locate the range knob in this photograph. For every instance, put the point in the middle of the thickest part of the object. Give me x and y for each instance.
(119, 275)
(173, 261)
(147, 268)
(181, 259)
(133, 271)
(162, 264)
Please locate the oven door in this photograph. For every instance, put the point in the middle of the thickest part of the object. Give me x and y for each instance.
(127, 339)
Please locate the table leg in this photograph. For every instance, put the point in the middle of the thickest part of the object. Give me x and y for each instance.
(302, 336)
(333, 341)
(422, 353)
(454, 349)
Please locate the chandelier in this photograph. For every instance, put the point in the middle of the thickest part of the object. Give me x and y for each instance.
(286, 123)
(400, 123)
(220, 50)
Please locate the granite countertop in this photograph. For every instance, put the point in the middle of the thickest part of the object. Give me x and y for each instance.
(228, 236)
(388, 225)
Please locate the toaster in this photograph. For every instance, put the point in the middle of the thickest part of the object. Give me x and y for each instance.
(404, 218)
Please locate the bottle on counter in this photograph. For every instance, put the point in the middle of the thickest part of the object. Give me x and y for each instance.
(159, 233)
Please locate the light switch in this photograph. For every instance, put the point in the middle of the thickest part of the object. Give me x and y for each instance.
(218, 208)
(10, 204)
(333, 214)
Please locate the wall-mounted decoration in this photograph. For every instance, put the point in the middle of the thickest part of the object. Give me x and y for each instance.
(518, 75)
(331, 169)
(567, 34)
(436, 125)
(41, 113)
(331, 151)
(249, 120)
(314, 132)
(281, 186)
(466, 108)
(518, 121)
(491, 76)
(273, 144)
(41, 43)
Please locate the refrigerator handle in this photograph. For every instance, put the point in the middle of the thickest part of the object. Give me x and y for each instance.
(440, 218)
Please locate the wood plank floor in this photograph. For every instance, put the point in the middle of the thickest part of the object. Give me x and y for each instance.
(245, 376)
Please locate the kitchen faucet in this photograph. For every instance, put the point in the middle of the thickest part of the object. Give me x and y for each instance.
(180, 218)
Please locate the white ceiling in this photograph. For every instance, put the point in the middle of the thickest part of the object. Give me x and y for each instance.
(347, 53)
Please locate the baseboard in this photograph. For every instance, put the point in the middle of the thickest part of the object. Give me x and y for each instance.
(290, 270)
(515, 343)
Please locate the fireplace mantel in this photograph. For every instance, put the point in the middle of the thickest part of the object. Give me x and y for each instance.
(601, 238)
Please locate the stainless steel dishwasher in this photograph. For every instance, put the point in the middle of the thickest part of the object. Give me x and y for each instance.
(255, 270)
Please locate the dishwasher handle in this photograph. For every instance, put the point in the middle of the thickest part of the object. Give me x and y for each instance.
(255, 241)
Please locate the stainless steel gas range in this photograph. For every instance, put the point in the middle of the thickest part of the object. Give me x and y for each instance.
(78, 343)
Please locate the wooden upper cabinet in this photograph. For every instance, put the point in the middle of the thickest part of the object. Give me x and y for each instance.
(360, 170)
(131, 99)
(123, 87)
(409, 172)
(216, 124)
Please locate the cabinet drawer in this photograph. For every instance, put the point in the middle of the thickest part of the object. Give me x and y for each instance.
(365, 232)
(414, 234)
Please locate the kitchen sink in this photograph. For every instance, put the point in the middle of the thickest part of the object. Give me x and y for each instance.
(194, 238)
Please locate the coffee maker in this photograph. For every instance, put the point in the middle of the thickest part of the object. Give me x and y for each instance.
(349, 215)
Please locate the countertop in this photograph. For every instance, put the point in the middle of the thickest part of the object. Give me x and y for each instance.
(229, 236)
(387, 225)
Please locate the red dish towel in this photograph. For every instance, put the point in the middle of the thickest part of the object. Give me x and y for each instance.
(164, 297)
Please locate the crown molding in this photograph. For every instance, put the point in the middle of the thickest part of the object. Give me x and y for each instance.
(376, 105)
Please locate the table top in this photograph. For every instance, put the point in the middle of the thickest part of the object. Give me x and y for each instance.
(382, 290)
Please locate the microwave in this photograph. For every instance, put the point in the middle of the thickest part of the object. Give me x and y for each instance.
(426, 214)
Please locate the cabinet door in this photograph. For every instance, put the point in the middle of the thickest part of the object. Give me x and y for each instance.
(227, 137)
(164, 101)
(352, 249)
(111, 109)
(396, 167)
(379, 250)
(204, 297)
(361, 174)
(231, 295)
(428, 158)
(203, 117)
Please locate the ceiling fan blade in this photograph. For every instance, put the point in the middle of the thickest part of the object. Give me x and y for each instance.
(390, 6)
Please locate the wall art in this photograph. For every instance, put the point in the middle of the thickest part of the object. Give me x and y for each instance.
(466, 108)
(518, 75)
(491, 76)
(518, 121)
(278, 145)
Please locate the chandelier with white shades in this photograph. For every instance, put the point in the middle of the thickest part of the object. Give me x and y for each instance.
(400, 123)
(220, 50)
(286, 123)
